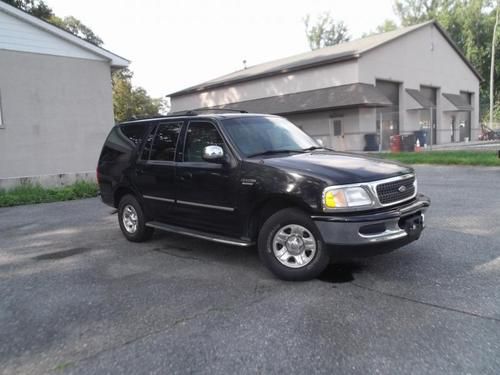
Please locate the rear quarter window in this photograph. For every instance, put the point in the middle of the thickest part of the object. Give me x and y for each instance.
(122, 141)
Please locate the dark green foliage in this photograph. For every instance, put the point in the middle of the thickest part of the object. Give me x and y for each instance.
(484, 158)
(325, 31)
(29, 194)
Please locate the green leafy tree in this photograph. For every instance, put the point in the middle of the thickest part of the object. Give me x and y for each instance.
(325, 31)
(388, 25)
(76, 27)
(133, 102)
(40, 9)
(37, 8)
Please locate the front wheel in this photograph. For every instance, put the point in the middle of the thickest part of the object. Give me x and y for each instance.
(132, 220)
(291, 246)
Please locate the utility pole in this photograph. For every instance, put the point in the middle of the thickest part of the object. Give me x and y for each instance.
(492, 66)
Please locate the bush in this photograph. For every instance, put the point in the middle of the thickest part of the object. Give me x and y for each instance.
(30, 194)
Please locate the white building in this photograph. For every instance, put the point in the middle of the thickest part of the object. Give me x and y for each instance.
(405, 79)
(55, 101)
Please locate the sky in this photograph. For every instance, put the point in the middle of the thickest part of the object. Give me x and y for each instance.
(174, 44)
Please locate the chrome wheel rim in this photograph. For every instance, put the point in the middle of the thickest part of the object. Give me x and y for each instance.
(130, 219)
(294, 246)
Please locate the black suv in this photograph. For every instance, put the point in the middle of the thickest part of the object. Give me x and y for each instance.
(245, 179)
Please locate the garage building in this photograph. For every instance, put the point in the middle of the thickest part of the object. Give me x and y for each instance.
(55, 101)
(399, 82)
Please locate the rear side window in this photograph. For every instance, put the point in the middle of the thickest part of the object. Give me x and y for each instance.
(134, 132)
(165, 141)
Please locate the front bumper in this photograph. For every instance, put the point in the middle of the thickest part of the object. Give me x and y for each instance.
(397, 225)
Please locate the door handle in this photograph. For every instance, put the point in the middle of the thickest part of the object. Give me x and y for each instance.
(186, 176)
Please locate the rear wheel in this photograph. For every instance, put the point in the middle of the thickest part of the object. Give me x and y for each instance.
(291, 246)
(132, 221)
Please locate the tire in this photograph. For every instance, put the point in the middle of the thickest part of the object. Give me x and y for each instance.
(293, 237)
(132, 220)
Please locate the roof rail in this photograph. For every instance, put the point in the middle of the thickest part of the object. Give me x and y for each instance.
(185, 113)
(195, 112)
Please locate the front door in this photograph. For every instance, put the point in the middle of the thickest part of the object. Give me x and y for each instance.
(337, 134)
(206, 190)
(155, 170)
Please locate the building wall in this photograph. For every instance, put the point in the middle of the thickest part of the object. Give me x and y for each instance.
(319, 126)
(56, 111)
(310, 79)
(18, 35)
(423, 57)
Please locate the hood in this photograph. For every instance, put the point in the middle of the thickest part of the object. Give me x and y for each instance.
(338, 168)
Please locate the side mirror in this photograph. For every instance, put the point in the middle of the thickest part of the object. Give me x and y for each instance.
(213, 153)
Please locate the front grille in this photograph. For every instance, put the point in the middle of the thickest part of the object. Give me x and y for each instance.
(390, 192)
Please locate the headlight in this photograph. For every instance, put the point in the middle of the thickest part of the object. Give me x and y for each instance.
(338, 197)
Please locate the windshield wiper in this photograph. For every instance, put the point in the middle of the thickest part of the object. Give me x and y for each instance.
(272, 152)
(312, 148)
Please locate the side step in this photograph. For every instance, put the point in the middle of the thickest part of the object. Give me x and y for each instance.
(199, 234)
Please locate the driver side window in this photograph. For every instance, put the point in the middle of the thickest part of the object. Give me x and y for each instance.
(199, 135)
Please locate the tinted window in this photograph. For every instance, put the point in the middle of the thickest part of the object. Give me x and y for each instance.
(134, 132)
(200, 135)
(253, 135)
(165, 142)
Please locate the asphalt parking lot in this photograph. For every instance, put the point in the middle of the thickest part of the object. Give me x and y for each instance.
(76, 297)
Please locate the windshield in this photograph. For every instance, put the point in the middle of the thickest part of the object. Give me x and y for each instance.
(266, 135)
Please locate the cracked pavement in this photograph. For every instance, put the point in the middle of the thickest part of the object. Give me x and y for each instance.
(77, 298)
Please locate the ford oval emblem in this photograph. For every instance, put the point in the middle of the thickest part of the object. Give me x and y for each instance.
(402, 189)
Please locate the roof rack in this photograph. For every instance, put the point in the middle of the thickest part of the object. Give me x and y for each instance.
(195, 112)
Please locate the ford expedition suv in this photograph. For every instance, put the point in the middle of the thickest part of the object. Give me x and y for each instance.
(244, 179)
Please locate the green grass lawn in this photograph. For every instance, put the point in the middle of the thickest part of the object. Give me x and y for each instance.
(29, 194)
(483, 158)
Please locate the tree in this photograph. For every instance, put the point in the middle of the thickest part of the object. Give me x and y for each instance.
(133, 102)
(388, 25)
(412, 12)
(128, 101)
(37, 8)
(76, 27)
(325, 31)
(40, 9)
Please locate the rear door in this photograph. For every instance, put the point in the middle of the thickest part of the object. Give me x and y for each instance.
(207, 191)
(155, 169)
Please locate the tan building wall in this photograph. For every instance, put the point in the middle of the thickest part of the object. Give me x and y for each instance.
(56, 112)
(310, 79)
(423, 57)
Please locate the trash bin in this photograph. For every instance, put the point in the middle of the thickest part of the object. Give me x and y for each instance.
(371, 142)
(408, 142)
(395, 141)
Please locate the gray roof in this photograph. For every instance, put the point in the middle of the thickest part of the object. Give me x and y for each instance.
(345, 96)
(328, 55)
(459, 102)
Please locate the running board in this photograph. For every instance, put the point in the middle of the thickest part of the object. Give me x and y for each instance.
(199, 234)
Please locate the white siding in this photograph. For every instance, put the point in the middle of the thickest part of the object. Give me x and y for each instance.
(57, 112)
(18, 35)
(310, 79)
